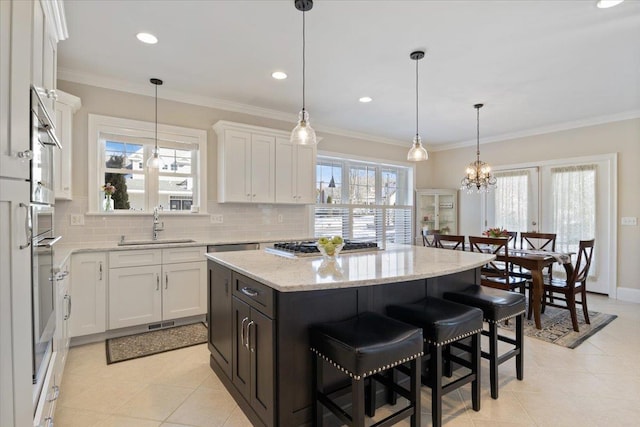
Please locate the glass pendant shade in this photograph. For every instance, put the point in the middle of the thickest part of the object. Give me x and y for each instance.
(155, 161)
(417, 152)
(303, 133)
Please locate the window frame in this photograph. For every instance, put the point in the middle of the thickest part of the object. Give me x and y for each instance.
(346, 161)
(174, 136)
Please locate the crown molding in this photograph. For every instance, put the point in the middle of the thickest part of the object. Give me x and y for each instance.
(576, 124)
(204, 101)
(222, 104)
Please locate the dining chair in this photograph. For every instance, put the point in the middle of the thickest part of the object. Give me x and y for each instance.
(429, 239)
(536, 241)
(513, 237)
(497, 273)
(456, 241)
(575, 284)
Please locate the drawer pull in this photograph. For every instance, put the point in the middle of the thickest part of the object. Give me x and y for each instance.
(56, 393)
(249, 292)
(242, 334)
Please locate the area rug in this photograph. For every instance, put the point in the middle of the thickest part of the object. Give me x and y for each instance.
(557, 328)
(154, 342)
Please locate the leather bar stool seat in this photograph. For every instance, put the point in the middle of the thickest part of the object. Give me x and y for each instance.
(364, 347)
(443, 323)
(497, 306)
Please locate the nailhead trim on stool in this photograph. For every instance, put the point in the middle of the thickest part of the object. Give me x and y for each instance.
(506, 317)
(375, 371)
(449, 341)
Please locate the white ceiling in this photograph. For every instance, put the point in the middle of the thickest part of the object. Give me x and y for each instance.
(537, 65)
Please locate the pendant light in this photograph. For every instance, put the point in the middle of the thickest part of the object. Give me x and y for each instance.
(303, 133)
(478, 176)
(417, 153)
(155, 161)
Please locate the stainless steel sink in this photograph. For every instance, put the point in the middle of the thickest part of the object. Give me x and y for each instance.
(153, 242)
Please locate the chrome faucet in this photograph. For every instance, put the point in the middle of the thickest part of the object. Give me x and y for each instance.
(157, 225)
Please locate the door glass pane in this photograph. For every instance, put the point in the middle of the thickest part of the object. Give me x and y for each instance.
(511, 202)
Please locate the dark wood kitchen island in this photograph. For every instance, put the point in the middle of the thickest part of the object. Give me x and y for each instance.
(261, 306)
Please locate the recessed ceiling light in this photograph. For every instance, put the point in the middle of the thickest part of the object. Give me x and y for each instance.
(279, 75)
(365, 99)
(605, 4)
(147, 38)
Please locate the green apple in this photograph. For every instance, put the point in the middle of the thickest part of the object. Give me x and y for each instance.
(336, 240)
(323, 241)
(330, 249)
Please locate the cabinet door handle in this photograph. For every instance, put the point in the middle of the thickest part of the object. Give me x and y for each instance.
(68, 313)
(27, 226)
(242, 334)
(249, 292)
(100, 270)
(249, 335)
(56, 393)
(166, 280)
(157, 282)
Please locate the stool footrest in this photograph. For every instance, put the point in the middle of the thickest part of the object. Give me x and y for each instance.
(458, 383)
(394, 418)
(393, 386)
(508, 355)
(335, 409)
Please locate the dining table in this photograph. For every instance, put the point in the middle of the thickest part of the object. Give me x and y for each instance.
(535, 261)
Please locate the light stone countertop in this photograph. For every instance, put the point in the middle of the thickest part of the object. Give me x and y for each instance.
(396, 263)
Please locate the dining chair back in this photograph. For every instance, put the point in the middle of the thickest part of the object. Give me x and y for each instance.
(575, 284)
(429, 239)
(536, 241)
(455, 242)
(497, 273)
(513, 237)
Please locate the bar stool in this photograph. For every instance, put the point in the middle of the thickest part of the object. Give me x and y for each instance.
(497, 306)
(445, 322)
(364, 347)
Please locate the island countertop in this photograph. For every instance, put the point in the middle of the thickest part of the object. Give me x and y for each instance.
(392, 264)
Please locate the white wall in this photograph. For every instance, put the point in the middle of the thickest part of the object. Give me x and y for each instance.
(241, 221)
(621, 137)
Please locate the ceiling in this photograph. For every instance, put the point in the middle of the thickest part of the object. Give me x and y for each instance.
(537, 65)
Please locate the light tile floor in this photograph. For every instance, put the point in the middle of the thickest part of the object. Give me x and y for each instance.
(596, 384)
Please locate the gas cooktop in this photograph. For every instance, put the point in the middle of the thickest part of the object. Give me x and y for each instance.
(309, 248)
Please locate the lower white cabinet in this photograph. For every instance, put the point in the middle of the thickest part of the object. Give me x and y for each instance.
(166, 284)
(88, 284)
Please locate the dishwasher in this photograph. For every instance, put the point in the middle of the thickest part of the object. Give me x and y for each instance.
(230, 247)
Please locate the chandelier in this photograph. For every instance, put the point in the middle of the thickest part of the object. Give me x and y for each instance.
(478, 176)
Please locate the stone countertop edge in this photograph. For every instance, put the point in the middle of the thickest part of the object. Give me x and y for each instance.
(64, 250)
(308, 274)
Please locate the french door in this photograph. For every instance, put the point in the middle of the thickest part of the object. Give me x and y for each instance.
(573, 198)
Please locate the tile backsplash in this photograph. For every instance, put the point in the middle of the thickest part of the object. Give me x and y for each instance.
(240, 222)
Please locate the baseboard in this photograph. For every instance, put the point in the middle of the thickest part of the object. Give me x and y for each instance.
(628, 294)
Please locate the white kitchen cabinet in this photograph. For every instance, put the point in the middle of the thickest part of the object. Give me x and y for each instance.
(15, 79)
(436, 209)
(44, 46)
(66, 106)
(166, 284)
(246, 166)
(15, 305)
(89, 290)
(63, 318)
(295, 172)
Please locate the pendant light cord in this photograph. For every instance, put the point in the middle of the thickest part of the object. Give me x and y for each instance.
(417, 97)
(478, 134)
(303, 60)
(156, 153)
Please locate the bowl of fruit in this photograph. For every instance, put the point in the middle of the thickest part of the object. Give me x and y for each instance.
(330, 247)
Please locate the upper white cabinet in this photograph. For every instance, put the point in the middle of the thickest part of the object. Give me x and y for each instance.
(44, 53)
(66, 106)
(259, 165)
(15, 78)
(295, 172)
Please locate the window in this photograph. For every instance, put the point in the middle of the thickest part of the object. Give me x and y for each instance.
(376, 203)
(119, 153)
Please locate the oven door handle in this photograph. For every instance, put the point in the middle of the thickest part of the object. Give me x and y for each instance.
(48, 242)
(27, 226)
